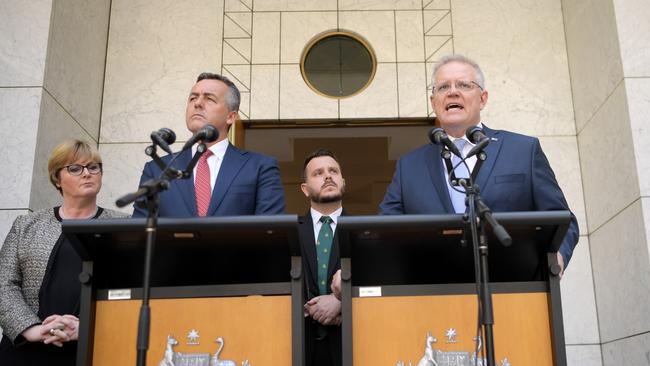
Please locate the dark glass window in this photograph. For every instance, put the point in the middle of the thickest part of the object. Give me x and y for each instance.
(338, 65)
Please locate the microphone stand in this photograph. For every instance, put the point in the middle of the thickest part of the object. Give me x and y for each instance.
(150, 190)
(478, 214)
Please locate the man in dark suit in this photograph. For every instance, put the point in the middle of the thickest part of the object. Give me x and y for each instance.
(324, 186)
(515, 177)
(226, 180)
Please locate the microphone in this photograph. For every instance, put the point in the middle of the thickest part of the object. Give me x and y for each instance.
(476, 136)
(163, 138)
(438, 136)
(207, 133)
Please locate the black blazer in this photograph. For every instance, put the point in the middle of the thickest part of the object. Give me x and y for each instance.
(310, 279)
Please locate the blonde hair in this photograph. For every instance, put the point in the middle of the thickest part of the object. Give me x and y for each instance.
(66, 153)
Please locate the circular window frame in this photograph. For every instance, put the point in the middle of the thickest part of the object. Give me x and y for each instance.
(330, 34)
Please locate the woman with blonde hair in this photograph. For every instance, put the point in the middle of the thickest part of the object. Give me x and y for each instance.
(39, 286)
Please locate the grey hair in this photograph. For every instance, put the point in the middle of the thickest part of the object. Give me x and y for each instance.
(233, 97)
(480, 79)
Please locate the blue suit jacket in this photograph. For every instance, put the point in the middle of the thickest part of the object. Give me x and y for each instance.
(515, 177)
(248, 184)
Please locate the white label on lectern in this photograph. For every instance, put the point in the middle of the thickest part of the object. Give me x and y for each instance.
(124, 294)
(370, 291)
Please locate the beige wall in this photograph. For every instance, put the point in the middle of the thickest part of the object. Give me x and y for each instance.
(609, 60)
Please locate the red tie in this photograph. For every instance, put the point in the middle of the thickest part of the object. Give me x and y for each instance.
(202, 184)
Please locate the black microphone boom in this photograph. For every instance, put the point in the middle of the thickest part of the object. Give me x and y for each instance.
(438, 136)
(476, 136)
(163, 138)
(207, 133)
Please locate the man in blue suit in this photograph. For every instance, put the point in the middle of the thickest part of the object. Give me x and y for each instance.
(226, 180)
(515, 177)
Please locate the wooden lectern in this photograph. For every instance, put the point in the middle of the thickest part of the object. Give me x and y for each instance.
(222, 288)
(409, 293)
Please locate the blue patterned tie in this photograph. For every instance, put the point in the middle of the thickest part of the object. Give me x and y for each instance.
(323, 248)
(458, 198)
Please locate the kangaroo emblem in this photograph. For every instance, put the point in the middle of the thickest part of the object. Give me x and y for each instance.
(428, 359)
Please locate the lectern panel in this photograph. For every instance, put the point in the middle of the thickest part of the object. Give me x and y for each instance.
(387, 330)
(253, 328)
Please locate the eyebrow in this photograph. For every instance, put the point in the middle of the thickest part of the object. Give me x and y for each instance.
(205, 94)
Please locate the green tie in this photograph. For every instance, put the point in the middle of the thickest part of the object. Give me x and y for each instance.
(323, 248)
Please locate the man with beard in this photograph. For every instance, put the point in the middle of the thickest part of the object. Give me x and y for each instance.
(324, 186)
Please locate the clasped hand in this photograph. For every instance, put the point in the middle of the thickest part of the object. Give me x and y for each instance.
(55, 329)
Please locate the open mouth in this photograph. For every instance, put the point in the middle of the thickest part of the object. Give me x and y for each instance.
(455, 106)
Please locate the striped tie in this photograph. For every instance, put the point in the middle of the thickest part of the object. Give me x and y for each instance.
(202, 184)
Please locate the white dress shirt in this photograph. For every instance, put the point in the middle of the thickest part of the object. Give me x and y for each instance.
(214, 161)
(315, 218)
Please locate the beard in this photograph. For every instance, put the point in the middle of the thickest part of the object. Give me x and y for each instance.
(317, 197)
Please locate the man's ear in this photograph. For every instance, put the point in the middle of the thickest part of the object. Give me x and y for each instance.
(303, 188)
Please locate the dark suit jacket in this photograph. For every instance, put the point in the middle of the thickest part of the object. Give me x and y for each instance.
(515, 177)
(248, 184)
(310, 274)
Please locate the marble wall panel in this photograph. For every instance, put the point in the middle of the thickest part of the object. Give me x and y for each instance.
(412, 89)
(633, 28)
(562, 153)
(379, 4)
(584, 355)
(24, 31)
(297, 100)
(629, 351)
(266, 38)
(578, 298)
(7, 218)
(608, 167)
(265, 92)
(298, 28)
(638, 92)
(79, 27)
(594, 54)
(19, 111)
(376, 27)
(523, 57)
(155, 52)
(409, 36)
(379, 99)
(54, 126)
(123, 165)
(621, 268)
(295, 5)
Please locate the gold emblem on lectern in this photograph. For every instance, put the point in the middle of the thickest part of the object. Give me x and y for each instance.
(171, 358)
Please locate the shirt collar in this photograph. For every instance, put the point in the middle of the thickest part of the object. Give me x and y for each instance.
(315, 215)
(218, 149)
(452, 138)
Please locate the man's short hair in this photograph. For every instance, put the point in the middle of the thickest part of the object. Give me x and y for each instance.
(480, 78)
(316, 154)
(233, 97)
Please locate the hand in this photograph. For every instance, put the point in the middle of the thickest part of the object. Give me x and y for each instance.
(325, 309)
(560, 261)
(60, 328)
(336, 284)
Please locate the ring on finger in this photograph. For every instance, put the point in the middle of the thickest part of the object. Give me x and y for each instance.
(53, 331)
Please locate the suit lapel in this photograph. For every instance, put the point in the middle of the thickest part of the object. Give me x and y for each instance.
(436, 172)
(186, 186)
(308, 243)
(492, 151)
(232, 163)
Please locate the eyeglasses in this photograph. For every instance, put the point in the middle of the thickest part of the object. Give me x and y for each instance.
(77, 169)
(463, 86)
